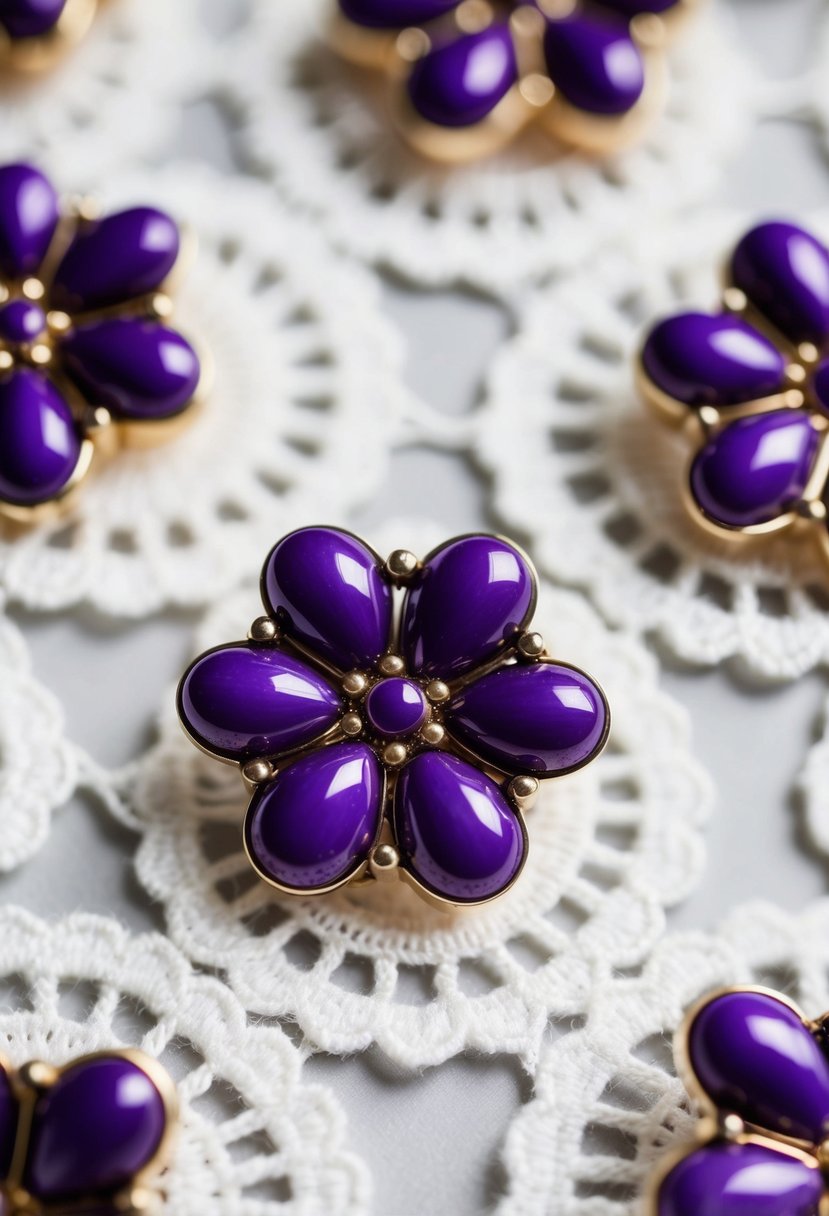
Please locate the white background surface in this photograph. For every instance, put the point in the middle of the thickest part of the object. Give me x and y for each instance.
(432, 1140)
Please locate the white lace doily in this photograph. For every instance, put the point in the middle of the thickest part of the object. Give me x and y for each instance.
(321, 129)
(610, 846)
(607, 1104)
(305, 397)
(586, 471)
(255, 1140)
(38, 767)
(813, 787)
(118, 93)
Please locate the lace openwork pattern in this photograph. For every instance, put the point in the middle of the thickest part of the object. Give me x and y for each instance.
(598, 485)
(255, 1140)
(607, 1104)
(306, 397)
(320, 128)
(611, 846)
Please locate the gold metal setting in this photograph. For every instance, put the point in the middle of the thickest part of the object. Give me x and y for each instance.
(717, 1125)
(533, 98)
(28, 56)
(30, 1082)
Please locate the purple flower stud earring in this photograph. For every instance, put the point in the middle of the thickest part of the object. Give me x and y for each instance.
(377, 750)
(34, 33)
(469, 74)
(751, 386)
(760, 1073)
(87, 362)
(85, 1138)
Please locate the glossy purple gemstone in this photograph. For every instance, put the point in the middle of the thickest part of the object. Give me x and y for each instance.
(94, 1130)
(28, 218)
(8, 1124)
(396, 707)
(740, 1180)
(472, 596)
(314, 824)
(755, 469)
(39, 442)
(712, 360)
(21, 322)
(594, 63)
(394, 14)
(324, 588)
(458, 83)
(136, 368)
(544, 719)
(784, 271)
(457, 833)
(253, 700)
(30, 18)
(116, 259)
(753, 1055)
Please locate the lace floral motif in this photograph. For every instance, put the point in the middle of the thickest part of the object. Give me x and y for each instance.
(608, 1109)
(596, 487)
(302, 360)
(322, 131)
(253, 1138)
(612, 845)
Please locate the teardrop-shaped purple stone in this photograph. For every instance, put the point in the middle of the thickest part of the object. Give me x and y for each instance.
(457, 833)
(30, 18)
(116, 259)
(250, 700)
(546, 719)
(394, 14)
(136, 368)
(314, 824)
(28, 218)
(324, 587)
(594, 63)
(39, 441)
(701, 359)
(740, 1180)
(459, 83)
(94, 1130)
(9, 1111)
(784, 271)
(472, 596)
(753, 1055)
(755, 469)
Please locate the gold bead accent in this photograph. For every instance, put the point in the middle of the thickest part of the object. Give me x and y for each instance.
(263, 629)
(433, 733)
(4, 293)
(401, 564)
(437, 691)
(161, 306)
(537, 90)
(808, 352)
(6, 360)
(531, 645)
(355, 684)
(58, 322)
(472, 16)
(734, 299)
(391, 665)
(412, 44)
(394, 753)
(41, 354)
(522, 789)
(33, 289)
(39, 1074)
(385, 857)
(257, 771)
(648, 29)
(351, 725)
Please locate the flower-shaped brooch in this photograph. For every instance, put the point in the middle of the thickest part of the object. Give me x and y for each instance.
(34, 33)
(759, 1071)
(751, 385)
(86, 362)
(85, 1138)
(468, 75)
(377, 751)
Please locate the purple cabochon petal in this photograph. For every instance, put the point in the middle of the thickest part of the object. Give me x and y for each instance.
(30, 18)
(701, 359)
(456, 831)
(116, 259)
(28, 218)
(459, 83)
(740, 1180)
(325, 589)
(472, 596)
(396, 707)
(39, 441)
(21, 322)
(94, 1130)
(248, 700)
(784, 271)
(394, 14)
(314, 824)
(753, 1055)
(138, 369)
(594, 63)
(543, 719)
(755, 469)
(8, 1123)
